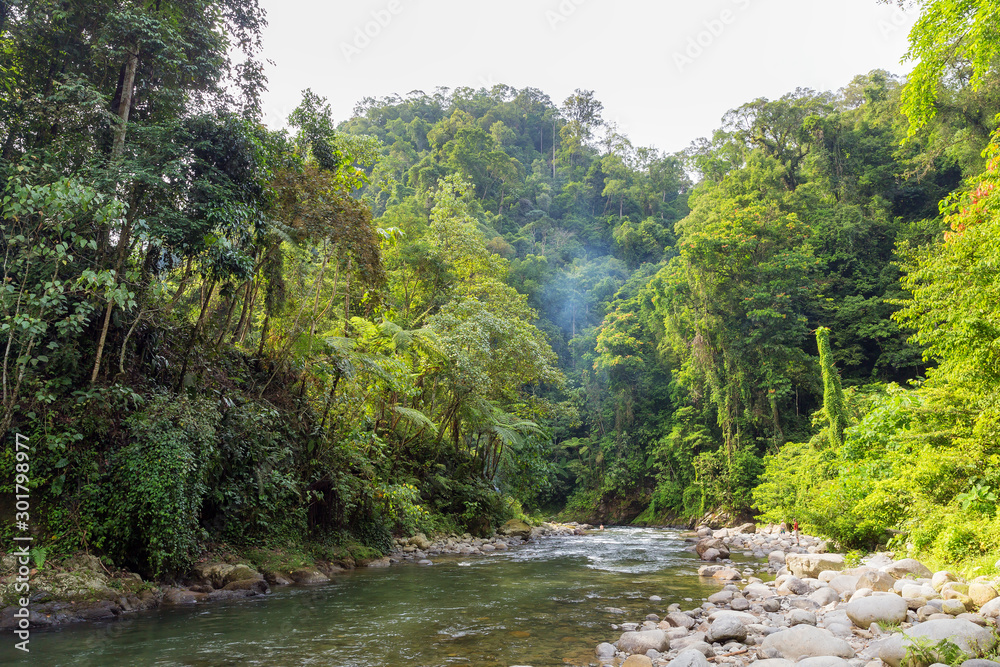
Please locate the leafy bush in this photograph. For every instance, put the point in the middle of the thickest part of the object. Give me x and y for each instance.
(255, 492)
(157, 484)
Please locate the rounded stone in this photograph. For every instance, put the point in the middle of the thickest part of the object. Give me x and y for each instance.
(882, 609)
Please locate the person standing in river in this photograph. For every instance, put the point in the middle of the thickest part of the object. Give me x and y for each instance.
(795, 530)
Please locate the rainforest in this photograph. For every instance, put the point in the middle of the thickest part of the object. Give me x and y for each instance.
(470, 305)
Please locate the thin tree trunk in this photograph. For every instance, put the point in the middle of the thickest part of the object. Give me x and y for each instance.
(194, 335)
(180, 288)
(347, 295)
(250, 289)
(263, 334)
(125, 104)
(123, 251)
(225, 325)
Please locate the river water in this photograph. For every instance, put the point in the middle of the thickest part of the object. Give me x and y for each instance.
(546, 603)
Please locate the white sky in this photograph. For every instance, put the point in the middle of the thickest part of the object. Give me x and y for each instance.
(631, 53)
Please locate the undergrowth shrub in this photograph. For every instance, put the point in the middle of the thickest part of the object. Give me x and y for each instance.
(157, 482)
(255, 492)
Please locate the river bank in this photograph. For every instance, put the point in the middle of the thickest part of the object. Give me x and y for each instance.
(83, 589)
(817, 611)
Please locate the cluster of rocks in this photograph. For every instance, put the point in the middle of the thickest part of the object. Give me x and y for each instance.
(514, 533)
(80, 589)
(816, 613)
(771, 542)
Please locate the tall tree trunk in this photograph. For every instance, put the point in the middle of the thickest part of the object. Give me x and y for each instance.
(553, 148)
(194, 335)
(124, 245)
(125, 104)
(237, 335)
(347, 295)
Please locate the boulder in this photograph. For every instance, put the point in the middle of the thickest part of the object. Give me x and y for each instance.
(256, 586)
(711, 554)
(953, 607)
(307, 575)
(823, 661)
(776, 558)
(745, 529)
(711, 543)
(743, 617)
(808, 641)
(824, 596)
(881, 609)
(739, 603)
(981, 593)
(637, 661)
(810, 565)
(421, 542)
(908, 567)
(726, 628)
(973, 640)
(181, 596)
(793, 586)
(722, 597)
(758, 591)
(643, 640)
(991, 609)
(727, 574)
(515, 528)
(606, 650)
(689, 658)
(241, 572)
(876, 580)
(941, 578)
(918, 591)
(214, 573)
(709, 570)
(679, 619)
(844, 584)
(78, 585)
(83, 562)
(801, 617)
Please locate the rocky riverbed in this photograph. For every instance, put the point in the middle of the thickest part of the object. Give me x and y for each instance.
(83, 589)
(816, 612)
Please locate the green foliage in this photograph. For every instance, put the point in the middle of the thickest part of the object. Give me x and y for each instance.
(978, 500)
(254, 492)
(948, 34)
(450, 302)
(834, 406)
(157, 484)
(923, 651)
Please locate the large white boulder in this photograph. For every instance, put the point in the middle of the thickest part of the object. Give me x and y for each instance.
(810, 565)
(981, 593)
(689, 658)
(991, 608)
(881, 609)
(973, 640)
(844, 584)
(876, 580)
(908, 567)
(726, 627)
(809, 641)
(824, 596)
(643, 640)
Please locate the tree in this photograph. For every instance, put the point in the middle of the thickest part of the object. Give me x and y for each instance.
(947, 35)
(834, 406)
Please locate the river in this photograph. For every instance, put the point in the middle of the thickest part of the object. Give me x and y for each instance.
(545, 603)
